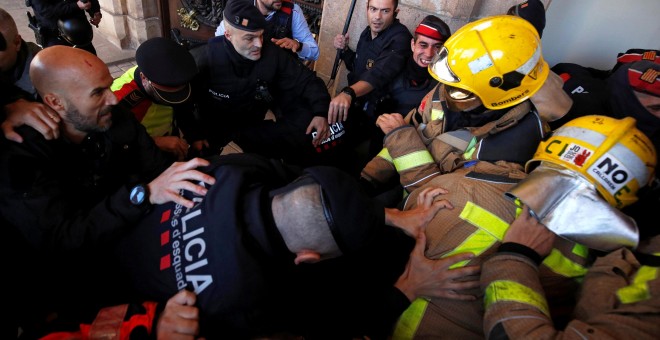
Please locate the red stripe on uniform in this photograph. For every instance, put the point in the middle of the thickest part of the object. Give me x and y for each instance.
(165, 216)
(165, 262)
(165, 238)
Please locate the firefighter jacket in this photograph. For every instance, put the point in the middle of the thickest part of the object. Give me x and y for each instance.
(619, 298)
(477, 224)
(439, 141)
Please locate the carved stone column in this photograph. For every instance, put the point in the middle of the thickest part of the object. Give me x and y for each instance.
(127, 23)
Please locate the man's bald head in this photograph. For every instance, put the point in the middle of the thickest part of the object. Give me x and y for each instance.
(10, 41)
(58, 68)
(75, 84)
(7, 24)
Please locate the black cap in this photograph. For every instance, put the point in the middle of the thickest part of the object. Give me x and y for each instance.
(354, 218)
(168, 66)
(434, 28)
(242, 14)
(532, 11)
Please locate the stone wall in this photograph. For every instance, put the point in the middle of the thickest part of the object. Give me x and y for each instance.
(455, 13)
(127, 23)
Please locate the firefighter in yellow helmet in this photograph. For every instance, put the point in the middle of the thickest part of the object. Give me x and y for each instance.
(472, 135)
(587, 163)
(583, 167)
(491, 103)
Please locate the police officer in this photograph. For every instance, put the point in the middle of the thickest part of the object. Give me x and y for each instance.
(19, 100)
(65, 22)
(287, 28)
(65, 199)
(158, 92)
(409, 87)
(381, 54)
(242, 77)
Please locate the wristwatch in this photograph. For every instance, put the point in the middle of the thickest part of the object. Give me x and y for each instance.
(139, 195)
(349, 91)
(300, 44)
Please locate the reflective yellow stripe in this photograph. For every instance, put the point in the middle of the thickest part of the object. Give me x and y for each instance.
(504, 290)
(472, 147)
(562, 265)
(491, 229)
(519, 207)
(385, 154)
(639, 289)
(413, 159)
(437, 114)
(581, 251)
(409, 321)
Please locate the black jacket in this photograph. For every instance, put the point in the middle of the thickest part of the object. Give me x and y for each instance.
(238, 92)
(226, 249)
(63, 206)
(49, 11)
(377, 61)
(66, 197)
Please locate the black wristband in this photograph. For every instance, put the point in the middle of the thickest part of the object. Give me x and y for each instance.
(349, 91)
(511, 247)
(300, 45)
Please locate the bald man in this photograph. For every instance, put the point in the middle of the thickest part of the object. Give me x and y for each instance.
(70, 198)
(18, 101)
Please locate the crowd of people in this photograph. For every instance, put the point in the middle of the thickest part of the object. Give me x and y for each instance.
(222, 192)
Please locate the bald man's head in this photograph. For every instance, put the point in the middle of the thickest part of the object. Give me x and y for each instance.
(10, 41)
(76, 84)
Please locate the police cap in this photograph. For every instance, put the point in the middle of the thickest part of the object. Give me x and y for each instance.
(168, 66)
(434, 28)
(242, 14)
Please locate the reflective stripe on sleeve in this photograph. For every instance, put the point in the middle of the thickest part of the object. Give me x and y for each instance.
(564, 266)
(504, 290)
(437, 114)
(639, 289)
(385, 154)
(491, 229)
(409, 321)
(412, 160)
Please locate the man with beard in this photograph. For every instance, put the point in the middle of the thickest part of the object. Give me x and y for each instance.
(380, 56)
(66, 200)
(287, 28)
(242, 78)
